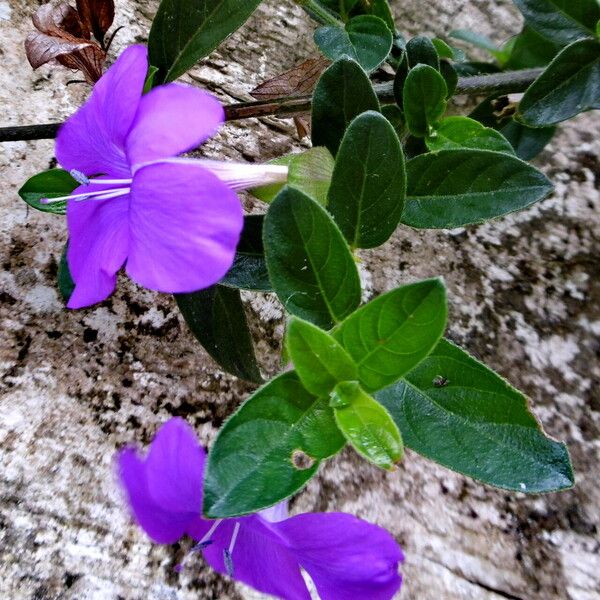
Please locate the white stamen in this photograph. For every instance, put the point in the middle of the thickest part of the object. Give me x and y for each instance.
(237, 176)
(110, 181)
(99, 195)
(209, 533)
(108, 194)
(236, 530)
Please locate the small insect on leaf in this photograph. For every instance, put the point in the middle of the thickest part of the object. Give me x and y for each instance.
(301, 460)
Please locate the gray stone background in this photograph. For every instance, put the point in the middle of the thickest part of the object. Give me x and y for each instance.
(75, 386)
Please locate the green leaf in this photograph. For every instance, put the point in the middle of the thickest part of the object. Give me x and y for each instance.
(570, 85)
(48, 184)
(366, 39)
(366, 197)
(185, 31)
(269, 448)
(66, 285)
(366, 425)
(421, 50)
(217, 319)
(249, 269)
(562, 21)
(462, 132)
(424, 99)
(310, 265)
(453, 188)
(450, 76)
(479, 41)
(342, 93)
(443, 49)
(149, 83)
(457, 412)
(531, 50)
(400, 79)
(395, 116)
(390, 335)
(319, 359)
(527, 142)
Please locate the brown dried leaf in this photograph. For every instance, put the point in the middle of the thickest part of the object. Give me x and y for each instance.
(88, 60)
(97, 16)
(298, 81)
(41, 48)
(58, 19)
(302, 126)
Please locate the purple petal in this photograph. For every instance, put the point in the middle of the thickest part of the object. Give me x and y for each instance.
(93, 139)
(175, 468)
(98, 243)
(172, 119)
(185, 225)
(346, 557)
(260, 558)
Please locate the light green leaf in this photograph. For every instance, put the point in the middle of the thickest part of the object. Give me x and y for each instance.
(367, 192)
(319, 360)
(269, 448)
(462, 132)
(310, 265)
(184, 31)
(390, 335)
(453, 188)
(342, 93)
(570, 85)
(366, 425)
(457, 412)
(424, 99)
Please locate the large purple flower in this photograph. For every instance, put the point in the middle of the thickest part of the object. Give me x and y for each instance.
(174, 222)
(346, 558)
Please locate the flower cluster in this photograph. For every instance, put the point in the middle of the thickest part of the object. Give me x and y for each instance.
(346, 557)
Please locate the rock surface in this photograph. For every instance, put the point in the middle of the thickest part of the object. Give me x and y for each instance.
(75, 386)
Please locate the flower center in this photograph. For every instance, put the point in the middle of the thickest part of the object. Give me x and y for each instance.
(123, 187)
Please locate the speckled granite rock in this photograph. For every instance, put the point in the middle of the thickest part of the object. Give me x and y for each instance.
(74, 386)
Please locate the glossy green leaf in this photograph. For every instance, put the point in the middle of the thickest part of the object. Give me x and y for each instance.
(342, 93)
(366, 425)
(561, 20)
(66, 285)
(48, 184)
(390, 335)
(269, 448)
(531, 50)
(217, 319)
(185, 31)
(310, 265)
(453, 188)
(319, 359)
(424, 99)
(443, 49)
(366, 39)
(249, 269)
(570, 85)
(457, 412)
(367, 192)
(462, 132)
(421, 50)
(527, 142)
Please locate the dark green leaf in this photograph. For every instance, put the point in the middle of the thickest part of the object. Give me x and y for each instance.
(468, 69)
(453, 188)
(66, 285)
(310, 265)
(319, 359)
(366, 425)
(531, 50)
(424, 99)
(462, 132)
(570, 85)
(367, 192)
(450, 77)
(395, 116)
(249, 269)
(217, 319)
(457, 412)
(343, 92)
(400, 79)
(527, 142)
(421, 50)
(562, 21)
(269, 448)
(185, 31)
(390, 335)
(48, 184)
(366, 39)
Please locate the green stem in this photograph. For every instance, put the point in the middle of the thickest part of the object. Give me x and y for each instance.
(322, 14)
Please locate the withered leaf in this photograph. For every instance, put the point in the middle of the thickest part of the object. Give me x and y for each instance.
(42, 48)
(97, 16)
(58, 19)
(298, 81)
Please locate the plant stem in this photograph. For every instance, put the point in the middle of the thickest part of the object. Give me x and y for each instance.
(495, 83)
(321, 14)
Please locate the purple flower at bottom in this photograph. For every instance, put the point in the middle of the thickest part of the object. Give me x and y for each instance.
(173, 222)
(347, 558)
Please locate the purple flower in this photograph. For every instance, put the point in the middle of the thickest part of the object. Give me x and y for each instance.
(174, 222)
(347, 558)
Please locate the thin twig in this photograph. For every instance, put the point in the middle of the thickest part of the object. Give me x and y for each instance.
(495, 83)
